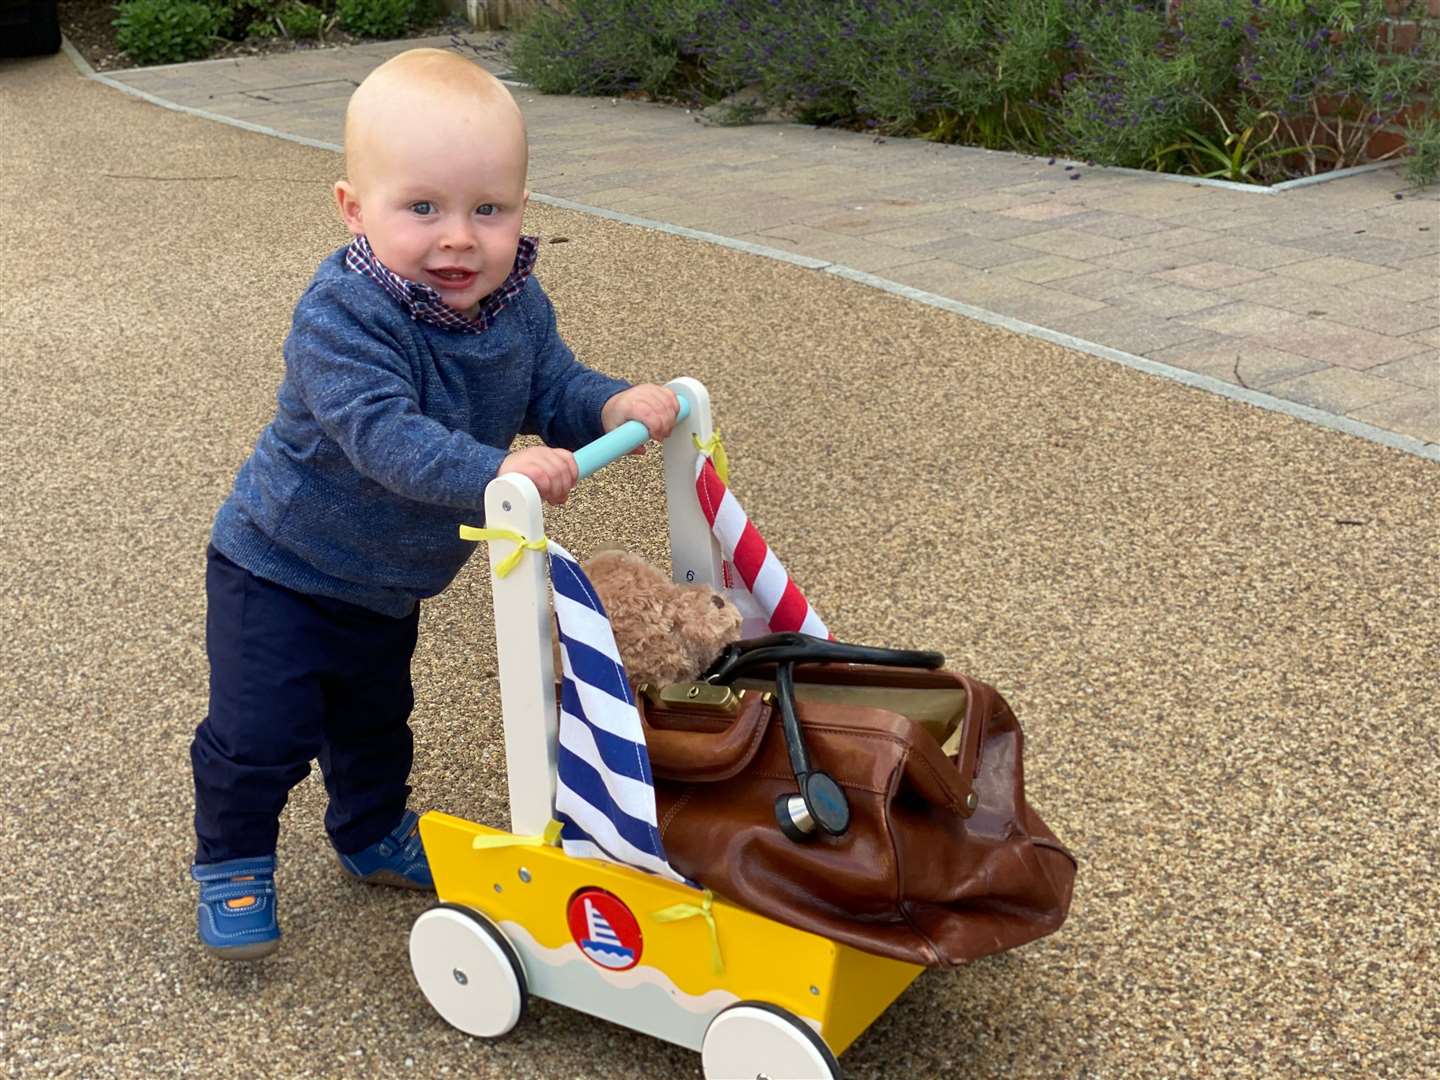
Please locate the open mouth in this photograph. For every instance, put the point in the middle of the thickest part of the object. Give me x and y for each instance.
(453, 277)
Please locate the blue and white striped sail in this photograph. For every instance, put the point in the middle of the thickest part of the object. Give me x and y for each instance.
(604, 792)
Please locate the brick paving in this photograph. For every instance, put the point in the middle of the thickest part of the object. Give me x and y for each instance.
(1325, 296)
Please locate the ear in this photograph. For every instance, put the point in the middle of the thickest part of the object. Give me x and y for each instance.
(349, 203)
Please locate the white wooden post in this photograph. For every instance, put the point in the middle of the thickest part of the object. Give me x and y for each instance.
(694, 554)
(522, 608)
(522, 644)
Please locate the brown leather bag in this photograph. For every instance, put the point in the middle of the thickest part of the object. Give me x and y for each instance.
(942, 860)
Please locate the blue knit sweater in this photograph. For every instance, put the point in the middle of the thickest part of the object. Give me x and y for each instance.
(387, 430)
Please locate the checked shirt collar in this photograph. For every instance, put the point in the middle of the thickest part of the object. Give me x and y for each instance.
(424, 303)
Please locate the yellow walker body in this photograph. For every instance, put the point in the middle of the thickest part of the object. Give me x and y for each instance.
(518, 916)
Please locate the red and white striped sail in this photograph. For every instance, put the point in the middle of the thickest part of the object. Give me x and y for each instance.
(754, 577)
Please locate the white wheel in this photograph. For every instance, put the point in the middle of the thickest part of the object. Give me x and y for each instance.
(467, 970)
(756, 1041)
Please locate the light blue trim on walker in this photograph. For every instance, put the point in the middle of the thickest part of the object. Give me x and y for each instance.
(613, 445)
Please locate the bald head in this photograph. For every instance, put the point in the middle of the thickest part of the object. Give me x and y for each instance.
(427, 95)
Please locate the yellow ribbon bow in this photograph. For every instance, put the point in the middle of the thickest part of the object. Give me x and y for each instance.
(688, 911)
(549, 838)
(716, 449)
(469, 532)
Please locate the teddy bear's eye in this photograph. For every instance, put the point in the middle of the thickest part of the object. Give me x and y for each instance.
(717, 601)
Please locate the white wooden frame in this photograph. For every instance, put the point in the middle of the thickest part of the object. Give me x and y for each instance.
(522, 607)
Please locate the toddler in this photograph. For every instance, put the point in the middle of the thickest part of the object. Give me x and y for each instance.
(416, 355)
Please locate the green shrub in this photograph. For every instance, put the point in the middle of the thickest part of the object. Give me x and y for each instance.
(1422, 166)
(301, 20)
(165, 31)
(611, 46)
(1233, 87)
(378, 18)
(953, 70)
(1304, 53)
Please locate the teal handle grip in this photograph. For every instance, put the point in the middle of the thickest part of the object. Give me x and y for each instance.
(613, 445)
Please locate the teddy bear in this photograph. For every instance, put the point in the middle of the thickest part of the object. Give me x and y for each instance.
(665, 632)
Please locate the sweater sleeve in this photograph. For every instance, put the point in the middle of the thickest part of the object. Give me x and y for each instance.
(566, 396)
(353, 376)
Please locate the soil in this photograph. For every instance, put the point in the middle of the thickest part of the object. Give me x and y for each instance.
(87, 25)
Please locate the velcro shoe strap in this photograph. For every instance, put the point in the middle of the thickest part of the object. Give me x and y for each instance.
(236, 890)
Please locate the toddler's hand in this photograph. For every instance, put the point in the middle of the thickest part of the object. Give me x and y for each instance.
(553, 471)
(654, 406)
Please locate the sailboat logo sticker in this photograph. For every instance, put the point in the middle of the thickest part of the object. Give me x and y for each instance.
(605, 929)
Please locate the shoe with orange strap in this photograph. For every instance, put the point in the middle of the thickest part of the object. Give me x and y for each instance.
(236, 917)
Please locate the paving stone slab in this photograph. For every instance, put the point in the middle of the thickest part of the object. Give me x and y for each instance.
(801, 239)
(1243, 251)
(1148, 260)
(1386, 250)
(1412, 413)
(1342, 346)
(1238, 360)
(1378, 314)
(1021, 300)
(1170, 299)
(1210, 275)
(1073, 244)
(973, 251)
(1129, 330)
(1244, 318)
(1331, 270)
(1421, 370)
(1170, 238)
(1338, 390)
(1103, 284)
(939, 276)
(1046, 268)
(1415, 286)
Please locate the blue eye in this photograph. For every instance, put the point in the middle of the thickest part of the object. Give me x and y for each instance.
(486, 209)
(423, 208)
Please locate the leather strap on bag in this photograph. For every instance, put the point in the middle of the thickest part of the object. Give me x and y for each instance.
(707, 756)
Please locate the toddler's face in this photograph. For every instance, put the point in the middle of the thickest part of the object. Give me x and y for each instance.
(440, 200)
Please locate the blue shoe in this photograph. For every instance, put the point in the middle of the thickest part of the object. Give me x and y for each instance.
(396, 859)
(236, 917)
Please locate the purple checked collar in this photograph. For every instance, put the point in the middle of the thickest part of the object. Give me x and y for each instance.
(424, 303)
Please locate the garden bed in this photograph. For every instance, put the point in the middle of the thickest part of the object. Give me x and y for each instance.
(89, 26)
(1251, 91)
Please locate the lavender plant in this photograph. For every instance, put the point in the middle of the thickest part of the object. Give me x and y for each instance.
(612, 46)
(1422, 166)
(1121, 82)
(1317, 66)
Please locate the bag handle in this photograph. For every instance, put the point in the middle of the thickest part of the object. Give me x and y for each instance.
(797, 648)
(820, 804)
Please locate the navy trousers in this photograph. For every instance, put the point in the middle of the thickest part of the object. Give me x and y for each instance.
(295, 678)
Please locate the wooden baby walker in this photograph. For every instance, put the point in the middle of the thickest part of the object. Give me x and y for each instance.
(518, 916)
